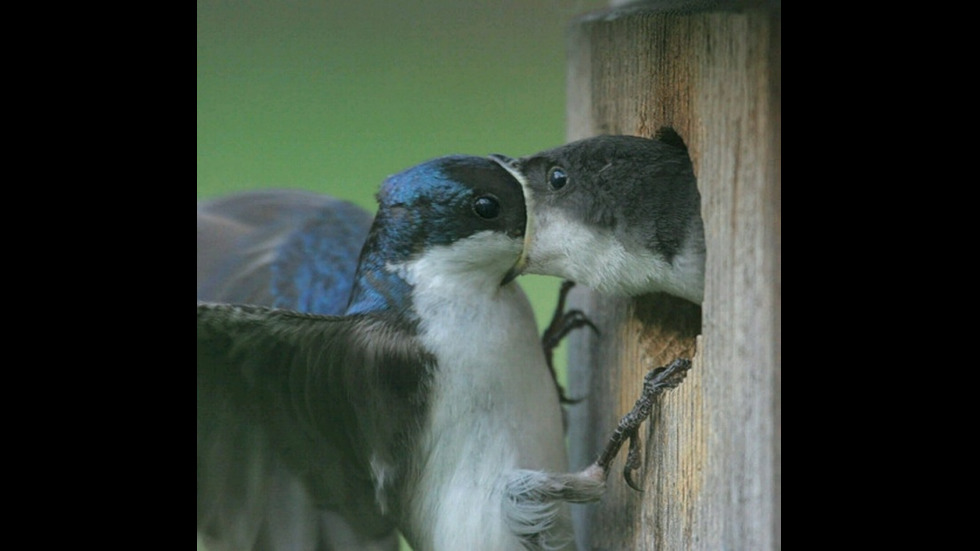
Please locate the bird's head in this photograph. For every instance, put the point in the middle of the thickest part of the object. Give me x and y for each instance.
(614, 213)
(453, 217)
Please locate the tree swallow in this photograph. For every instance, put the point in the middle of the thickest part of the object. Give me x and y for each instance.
(620, 214)
(427, 406)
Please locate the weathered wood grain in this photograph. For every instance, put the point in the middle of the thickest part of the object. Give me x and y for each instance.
(711, 473)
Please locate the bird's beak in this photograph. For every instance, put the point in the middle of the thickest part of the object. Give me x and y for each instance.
(511, 275)
(510, 165)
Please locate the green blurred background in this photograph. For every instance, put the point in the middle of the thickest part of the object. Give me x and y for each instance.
(334, 96)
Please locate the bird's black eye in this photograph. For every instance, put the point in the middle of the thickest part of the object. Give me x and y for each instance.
(486, 207)
(557, 178)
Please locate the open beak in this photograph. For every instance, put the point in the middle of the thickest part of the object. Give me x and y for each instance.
(510, 165)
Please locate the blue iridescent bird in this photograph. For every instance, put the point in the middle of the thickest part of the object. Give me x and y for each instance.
(427, 407)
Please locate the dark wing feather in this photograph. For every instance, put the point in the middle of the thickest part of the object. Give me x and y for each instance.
(288, 417)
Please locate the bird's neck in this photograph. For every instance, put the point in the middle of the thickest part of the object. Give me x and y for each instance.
(609, 263)
(491, 409)
(392, 269)
(378, 285)
(681, 275)
(687, 267)
(379, 289)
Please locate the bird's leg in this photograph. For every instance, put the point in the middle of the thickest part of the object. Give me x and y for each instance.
(632, 460)
(654, 383)
(531, 496)
(562, 323)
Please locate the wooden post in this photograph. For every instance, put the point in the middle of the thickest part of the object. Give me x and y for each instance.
(711, 474)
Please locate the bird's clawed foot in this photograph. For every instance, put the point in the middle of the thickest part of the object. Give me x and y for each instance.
(562, 323)
(654, 383)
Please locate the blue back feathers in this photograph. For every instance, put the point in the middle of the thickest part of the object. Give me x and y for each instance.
(288, 249)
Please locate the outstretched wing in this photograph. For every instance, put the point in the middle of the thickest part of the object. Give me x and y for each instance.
(283, 248)
(288, 417)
